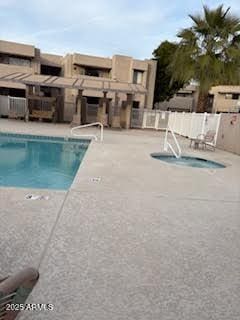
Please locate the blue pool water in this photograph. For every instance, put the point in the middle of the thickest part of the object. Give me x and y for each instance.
(39, 162)
(188, 161)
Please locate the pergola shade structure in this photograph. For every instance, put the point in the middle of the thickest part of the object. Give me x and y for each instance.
(80, 83)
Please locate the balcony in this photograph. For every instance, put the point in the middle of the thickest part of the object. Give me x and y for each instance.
(15, 63)
(19, 49)
(9, 68)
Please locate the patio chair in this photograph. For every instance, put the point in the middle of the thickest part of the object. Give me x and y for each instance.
(204, 140)
(15, 290)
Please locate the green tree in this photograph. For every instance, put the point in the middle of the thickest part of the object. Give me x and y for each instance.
(164, 87)
(209, 52)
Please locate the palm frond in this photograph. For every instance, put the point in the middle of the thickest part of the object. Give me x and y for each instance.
(197, 19)
(209, 51)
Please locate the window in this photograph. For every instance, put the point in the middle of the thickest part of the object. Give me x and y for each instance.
(50, 70)
(232, 96)
(137, 77)
(235, 96)
(228, 96)
(91, 72)
(19, 61)
(135, 104)
(15, 60)
(97, 72)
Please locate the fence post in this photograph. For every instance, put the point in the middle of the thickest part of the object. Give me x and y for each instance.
(144, 119)
(204, 122)
(8, 106)
(174, 122)
(191, 125)
(157, 120)
(182, 123)
(217, 128)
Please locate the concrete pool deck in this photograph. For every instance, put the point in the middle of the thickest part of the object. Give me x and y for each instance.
(147, 240)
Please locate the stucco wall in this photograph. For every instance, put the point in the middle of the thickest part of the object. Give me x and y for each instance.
(140, 64)
(229, 133)
(17, 48)
(51, 59)
(220, 103)
(150, 82)
(122, 68)
(92, 61)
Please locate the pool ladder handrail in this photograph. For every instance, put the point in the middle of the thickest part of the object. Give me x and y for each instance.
(168, 145)
(89, 135)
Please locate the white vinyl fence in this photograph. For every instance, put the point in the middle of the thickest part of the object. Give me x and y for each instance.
(192, 124)
(17, 107)
(155, 119)
(183, 123)
(13, 106)
(149, 119)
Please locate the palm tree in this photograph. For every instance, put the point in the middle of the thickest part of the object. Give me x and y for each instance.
(209, 52)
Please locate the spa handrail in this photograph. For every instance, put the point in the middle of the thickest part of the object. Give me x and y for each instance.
(168, 145)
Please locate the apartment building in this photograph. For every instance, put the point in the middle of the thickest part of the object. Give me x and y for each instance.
(226, 98)
(183, 100)
(113, 79)
(15, 57)
(222, 99)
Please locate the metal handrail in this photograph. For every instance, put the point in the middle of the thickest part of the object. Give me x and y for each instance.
(168, 145)
(89, 135)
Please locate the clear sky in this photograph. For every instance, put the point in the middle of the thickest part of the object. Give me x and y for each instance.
(99, 27)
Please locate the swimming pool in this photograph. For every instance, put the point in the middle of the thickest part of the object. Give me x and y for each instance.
(29, 161)
(188, 161)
